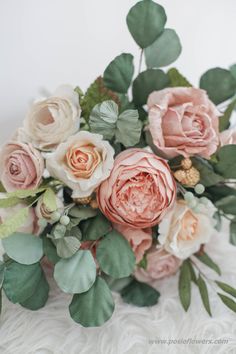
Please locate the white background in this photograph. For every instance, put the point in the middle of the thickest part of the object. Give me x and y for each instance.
(44, 43)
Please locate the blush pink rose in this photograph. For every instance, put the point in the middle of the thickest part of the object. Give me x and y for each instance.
(139, 190)
(160, 264)
(228, 137)
(21, 166)
(140, 240)
(183, 121)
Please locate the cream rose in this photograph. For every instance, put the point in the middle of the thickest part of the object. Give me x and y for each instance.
(82, 163)
(182, 231)
(51, 121)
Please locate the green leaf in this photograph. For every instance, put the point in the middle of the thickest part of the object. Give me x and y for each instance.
(233, 233)
(140, 294)
(76, 274)
(21, 281)
(58, 231)
(25, 193)
(227, 204)
(0, 301)
(49, 200)
(207, 175)
(231, 304)
(147, 82)
(217, 217)
(82, 212)
(49, 250)
(176, 79)
(220, 191)
(146, 21)
(224, 121)
(103, 119)
(192, 271)
(227, 288)
(118, 75)
(67, 246)
(129, 128)
(115, 255)
(13, 223)
(185, 286)
(233, 70)
(204, 294)
(117, 284)
(143, 262)
(94, 307)
(23, 248)
(9, 202)
(204, 258)
(219, 84)
(164, 51)
(39, 297)
(96, 228)
(2, 189)
(2, 270)
(226, 165)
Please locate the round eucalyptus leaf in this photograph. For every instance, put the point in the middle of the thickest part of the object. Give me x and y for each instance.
(76, 274)
(115, 255)
(67, 246)
(219, 83)
(118, 75)
(94, 307)
(146, 21)
(140, 294)
(96, 228)
(23, 248)
(39, 297)
(147, 82)
(20, 281)
(164, 51)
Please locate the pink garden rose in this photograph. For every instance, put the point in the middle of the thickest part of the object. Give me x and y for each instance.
(183, 121)
(140, 240)
(228, 137)
(21, 166)
(160, 264)
(139, 190)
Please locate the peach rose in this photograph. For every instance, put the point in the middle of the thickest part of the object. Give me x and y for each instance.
(228, 137)
(82, 163)
(140, 240)
(160, 264)
(183, 121)
(51, 121)
(21, 166)
(139, 191)
(184, 230)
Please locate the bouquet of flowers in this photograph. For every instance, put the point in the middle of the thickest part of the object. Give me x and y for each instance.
(114, 189)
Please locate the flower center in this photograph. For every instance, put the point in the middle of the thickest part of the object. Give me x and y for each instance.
(188, 227)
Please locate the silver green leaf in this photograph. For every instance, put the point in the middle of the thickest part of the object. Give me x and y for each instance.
(67, 246)
(103, 119)
(129, 128)
(49, 200)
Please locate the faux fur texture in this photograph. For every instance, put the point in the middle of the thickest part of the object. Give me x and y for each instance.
(131, 330)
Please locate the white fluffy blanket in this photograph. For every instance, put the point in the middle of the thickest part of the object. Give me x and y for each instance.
(131, 330)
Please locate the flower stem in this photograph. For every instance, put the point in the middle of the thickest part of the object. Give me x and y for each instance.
(140, 61)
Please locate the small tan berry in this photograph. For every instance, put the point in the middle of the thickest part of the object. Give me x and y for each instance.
(186, 164)
(180, 175)
(83, 201)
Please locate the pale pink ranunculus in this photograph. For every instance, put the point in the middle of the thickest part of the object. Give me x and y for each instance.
(228, 137)
(183, 121)
(140, 240)
(21, 166)
(139, 191)
(160, 264)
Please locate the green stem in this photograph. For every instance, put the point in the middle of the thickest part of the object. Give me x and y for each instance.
(140, 61)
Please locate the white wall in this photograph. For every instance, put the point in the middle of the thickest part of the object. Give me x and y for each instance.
(44, 43)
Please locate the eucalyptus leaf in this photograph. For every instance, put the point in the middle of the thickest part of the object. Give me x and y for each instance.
(227, 288)
(96, 228)
(219, 84)
(117, 284)
(176, 79)
(226, 165)
(23, 248)
(94, 307)
(140, 294)
(224, 121)
(164, 51)
(227, 204)
(21, 281)
(2, 270)
(39, 297)
(115, 255)
(231, 304)
(185, 285)
(204, 294)
(118, 75)
(129, 128)
(217, 217)
(146, 21)
(58, 231)
(147, 82)
(233, 233)
(49, 200)
(14, 222)
(82, 212)
(103, 119)
(49, 250)
(207, 175)
(77, 273)
(233, 70)
(204, 258)
(67, 246)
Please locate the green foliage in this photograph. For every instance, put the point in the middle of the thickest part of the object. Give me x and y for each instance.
(128, 128)
(96, 228)
(227, 288)
(164, 51)
(118, 74)
(115, 255)
(14, 222)
(227, 204)
(21, 281)
(219, 84)
(67, 246)
(39, 297)
(94, 307)
(207, 175)
(233, 70)
(96, 93)
(176, 79)
(185, 285)
(79, 213)
(146, 21)
(23, 248)
(204, 258)
(217, 217)
(117, 284)
(233, 232)
(2, 270)
(192, 271)
(147, 82)
(204, 294)
(140, 294)
(49, 250)
(76, 274)
(224, 122)
(25, 193)
(9, 202)
(49, 200)
(231, 304)
(226, 165)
